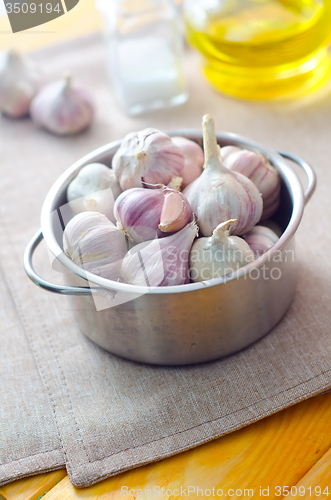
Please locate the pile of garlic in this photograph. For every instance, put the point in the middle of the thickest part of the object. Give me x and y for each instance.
(60, 107)
(150, 234)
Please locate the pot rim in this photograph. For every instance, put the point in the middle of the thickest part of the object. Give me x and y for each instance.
(288, 176)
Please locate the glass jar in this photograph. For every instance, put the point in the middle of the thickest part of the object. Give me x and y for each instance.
(262, 49)
(145, 53)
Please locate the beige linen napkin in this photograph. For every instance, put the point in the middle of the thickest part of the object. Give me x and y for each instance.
(64, 400)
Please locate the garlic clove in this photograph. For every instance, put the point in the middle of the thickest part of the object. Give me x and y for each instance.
(176, 212)
(220, 194)
(62, 108)
(190, 149)
(219, 254)
(94, 188)
(95, 244)
(193, 159)
(260, 239)
(191, 171)
(148, 155)
(19, 82)
(257, 168)
(226, 151)
(160, 262)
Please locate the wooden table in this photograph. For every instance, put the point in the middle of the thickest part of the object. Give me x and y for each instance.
(286, 454)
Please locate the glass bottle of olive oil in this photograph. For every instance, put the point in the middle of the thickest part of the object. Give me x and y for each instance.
(262, 49)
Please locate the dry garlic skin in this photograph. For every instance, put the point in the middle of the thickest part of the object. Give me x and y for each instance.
(261, 239)
(19, 82)
(138, 211)
(94, 188)
(219, 255)
(95, 244)
(147, 156)
(257, 168)
(220, 194)
(162, 261)
(62, 108)
(144, 214)
(193, 159)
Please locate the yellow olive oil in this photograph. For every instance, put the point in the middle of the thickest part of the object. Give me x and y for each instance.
(262, 49)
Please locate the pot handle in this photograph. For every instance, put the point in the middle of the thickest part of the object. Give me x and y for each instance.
(46, 285)
(308, 171)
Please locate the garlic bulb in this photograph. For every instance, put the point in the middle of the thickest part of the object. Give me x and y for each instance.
(145, 213)
(256, 167)
(260, 239)
(94, 188)
(148, 155)
(62, 108)
(160, 262)
(226, 151)
(220, 194)
(138, 211)
(218, 255)
(193, 159)
(95, 244)
(19, 82)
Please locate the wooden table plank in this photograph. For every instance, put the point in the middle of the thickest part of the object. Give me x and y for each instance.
(276, 451)
(317, 482)
(31, 488)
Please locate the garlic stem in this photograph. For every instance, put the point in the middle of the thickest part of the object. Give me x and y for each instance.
(219, 194)
(222, 230)
(67, 79)
(140, 155)
(210, 145)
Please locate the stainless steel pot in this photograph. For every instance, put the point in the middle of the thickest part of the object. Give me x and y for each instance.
(183, 324)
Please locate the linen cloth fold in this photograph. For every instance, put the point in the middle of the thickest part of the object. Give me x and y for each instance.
(64, 400)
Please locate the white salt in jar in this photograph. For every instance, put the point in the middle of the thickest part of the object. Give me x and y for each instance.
(145, 53)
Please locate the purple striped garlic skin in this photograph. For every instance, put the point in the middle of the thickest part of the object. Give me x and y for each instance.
(62, 108)
(147, 156)
(138, 212)
(161, 262)
(257, 168)
(193, 159)
(260, 239)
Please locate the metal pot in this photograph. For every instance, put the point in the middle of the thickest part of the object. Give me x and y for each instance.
(190, 323)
